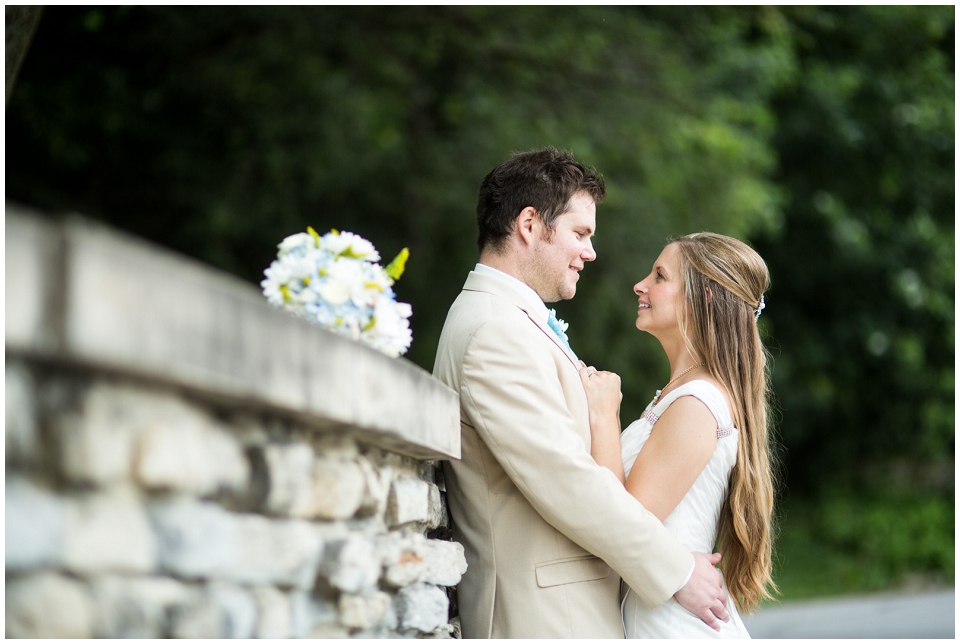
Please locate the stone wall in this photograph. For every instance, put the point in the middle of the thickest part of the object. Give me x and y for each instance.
(182, 460)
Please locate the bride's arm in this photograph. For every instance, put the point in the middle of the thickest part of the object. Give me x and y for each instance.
(679, 447)
(603, 400)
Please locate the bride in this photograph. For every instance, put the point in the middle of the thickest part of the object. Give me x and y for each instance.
(698, 457)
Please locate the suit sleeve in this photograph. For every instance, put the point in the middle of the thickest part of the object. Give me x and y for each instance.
(510, 388)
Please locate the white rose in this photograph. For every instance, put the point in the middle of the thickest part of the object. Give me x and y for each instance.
(358, 247)
(304, 240)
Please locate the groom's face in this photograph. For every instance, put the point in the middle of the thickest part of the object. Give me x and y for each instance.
(560, 256)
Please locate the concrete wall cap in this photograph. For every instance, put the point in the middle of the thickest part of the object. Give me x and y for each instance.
(82, 293)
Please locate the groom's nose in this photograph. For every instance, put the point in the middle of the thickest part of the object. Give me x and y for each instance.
(588, 254)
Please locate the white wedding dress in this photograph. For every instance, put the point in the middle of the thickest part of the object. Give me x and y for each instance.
(693, 522)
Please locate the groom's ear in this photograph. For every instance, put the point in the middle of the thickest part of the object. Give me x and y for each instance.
(526, 224)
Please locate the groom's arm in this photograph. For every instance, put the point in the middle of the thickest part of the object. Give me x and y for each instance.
(665, 481)
(511, 391)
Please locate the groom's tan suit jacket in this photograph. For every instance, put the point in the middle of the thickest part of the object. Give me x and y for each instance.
(547, 532)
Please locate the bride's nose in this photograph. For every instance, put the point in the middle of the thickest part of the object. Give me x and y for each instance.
(639, 288)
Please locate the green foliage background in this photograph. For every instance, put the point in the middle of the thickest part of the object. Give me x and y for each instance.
(823, 135)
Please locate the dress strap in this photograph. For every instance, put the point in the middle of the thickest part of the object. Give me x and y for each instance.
(649, 416)
(705, 392)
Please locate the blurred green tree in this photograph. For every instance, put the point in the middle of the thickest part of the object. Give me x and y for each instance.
(862, 305)
(218, 131)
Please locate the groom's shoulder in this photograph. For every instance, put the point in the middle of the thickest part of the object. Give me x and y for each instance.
(476, 308)
(487, 304)
(473, 310)
(477, 323)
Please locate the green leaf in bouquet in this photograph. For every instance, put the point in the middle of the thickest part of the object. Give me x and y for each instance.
(395, 268)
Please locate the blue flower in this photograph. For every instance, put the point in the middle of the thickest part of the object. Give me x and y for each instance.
(559, 326)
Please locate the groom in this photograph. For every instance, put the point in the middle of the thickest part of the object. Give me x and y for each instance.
(547, 532)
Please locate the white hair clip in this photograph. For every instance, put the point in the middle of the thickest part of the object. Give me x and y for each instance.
(759, 308)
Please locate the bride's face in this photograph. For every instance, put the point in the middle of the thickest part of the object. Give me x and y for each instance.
(658, 294)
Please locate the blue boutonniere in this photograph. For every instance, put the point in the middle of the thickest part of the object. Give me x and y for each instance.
(559, 327)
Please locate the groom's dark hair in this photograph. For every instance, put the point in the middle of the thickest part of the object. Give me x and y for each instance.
(545, 179)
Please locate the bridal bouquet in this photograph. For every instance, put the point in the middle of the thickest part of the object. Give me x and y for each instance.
(335, 281)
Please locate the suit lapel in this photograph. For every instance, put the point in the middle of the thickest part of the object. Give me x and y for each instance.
(485, 283)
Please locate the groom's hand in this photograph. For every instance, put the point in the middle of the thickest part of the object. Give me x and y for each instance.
(704, 595)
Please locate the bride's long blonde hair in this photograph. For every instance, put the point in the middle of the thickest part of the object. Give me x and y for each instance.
(723, 282)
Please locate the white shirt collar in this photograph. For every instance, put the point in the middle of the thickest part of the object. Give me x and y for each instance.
(529, 295)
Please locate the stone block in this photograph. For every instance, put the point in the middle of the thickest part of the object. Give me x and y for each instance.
(443, 562)
(421, 607)
(195, 540)
(444, 632)
(200, 540)
(113, 432)
(427, 471)
(390, 621)
(35, 521)
(48, 606)
(108, 532)
(226, 459)
(201, 619)
(95, 439)
(329, 632)
(220, 611)
(334, 530)
(137, 607)
(303, 485)
(363, 611)
(22, 439)
(456, 628)
(289, 477)
(338, 489)
(402, 466)
(336, 445)
(437, 509)
(238, 610)
(409, 501)
(283, 552)
(351, 564)
(377, 482)
(401, 557)
(275, 613)
(185, 450)
(300, 614)
(314, 617)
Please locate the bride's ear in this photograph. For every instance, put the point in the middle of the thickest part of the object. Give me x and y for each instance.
(709, 294)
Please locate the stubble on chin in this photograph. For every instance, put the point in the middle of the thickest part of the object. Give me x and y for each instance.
(559, 293)
(548, 289)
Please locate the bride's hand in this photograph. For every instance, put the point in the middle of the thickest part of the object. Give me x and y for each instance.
(603, 403)
(603, 396)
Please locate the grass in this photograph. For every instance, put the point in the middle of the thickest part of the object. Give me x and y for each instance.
(853, 543)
